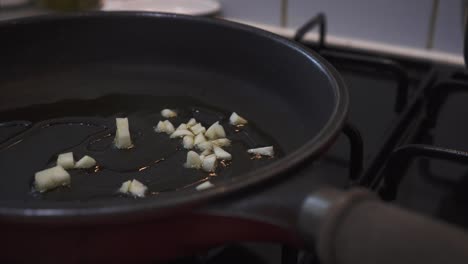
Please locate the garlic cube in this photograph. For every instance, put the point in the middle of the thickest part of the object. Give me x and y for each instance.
(264, 151)
(200, 138)
(191, 122)
(198, 129)
(134, 188)
(236, 119)
(221, 153)
(181, 133)
(169, 127)
(188, 142)
(168, 113)
(85, 162)
(137, 188)
(206, 152)
(204, 186)
(193, 160)
(65, 160)
(165, 127)
(51, 178)
(207, 145)
(125, 187)
(122, 136)
(221, 142)
(215, 131)
(209, 163)
(182, 127)
(160, 127)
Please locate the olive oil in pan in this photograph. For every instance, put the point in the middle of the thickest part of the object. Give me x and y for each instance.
(12, 128)
(87, 127)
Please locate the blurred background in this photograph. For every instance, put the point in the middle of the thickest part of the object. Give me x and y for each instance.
(408, 26)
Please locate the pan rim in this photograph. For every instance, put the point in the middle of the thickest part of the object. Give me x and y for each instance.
(309, 150)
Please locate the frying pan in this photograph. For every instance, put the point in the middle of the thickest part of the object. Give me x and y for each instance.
(64, 72)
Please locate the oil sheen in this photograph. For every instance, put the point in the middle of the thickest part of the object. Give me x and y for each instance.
(32, 137)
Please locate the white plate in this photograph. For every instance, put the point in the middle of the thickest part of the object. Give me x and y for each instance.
(187, 7)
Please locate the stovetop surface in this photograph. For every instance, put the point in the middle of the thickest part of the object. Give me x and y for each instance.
(437, 187)
(428, 186)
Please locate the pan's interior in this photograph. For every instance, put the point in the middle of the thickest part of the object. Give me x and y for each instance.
(95, 67)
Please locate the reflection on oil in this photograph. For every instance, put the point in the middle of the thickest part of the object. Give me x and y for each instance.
(87, 127)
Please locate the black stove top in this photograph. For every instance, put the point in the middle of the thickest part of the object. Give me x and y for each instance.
(410, 115)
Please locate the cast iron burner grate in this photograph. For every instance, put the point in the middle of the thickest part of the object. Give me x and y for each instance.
(389, 101)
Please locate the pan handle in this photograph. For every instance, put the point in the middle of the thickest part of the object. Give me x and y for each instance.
(355, 227)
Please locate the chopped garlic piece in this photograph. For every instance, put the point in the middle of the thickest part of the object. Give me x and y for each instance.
(198, 129)
(209, 163)
(265, 151)
(125, 187)
(168, 113)
(215, 131)
(193, 160)
(160, 127)
(66, 161)
(200, 138)
(221, 142)
(188, 142)
(207, 145)
(221, 153)
(169, 127)
(236, 119)
(137, 188)
(182, 127)
(191, 122)
(85, 162)
(204, 186)
(181, 133)
(122, 135)
(51, 178)
(164, 127)
(207, 152)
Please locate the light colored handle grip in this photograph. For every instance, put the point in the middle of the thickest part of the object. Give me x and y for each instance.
(354, 227)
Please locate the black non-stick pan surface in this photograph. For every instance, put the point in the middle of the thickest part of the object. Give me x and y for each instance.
(64, 79)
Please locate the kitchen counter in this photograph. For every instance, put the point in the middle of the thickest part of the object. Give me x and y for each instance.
(342, 42)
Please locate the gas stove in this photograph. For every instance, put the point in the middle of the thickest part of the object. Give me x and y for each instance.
(405, 140)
